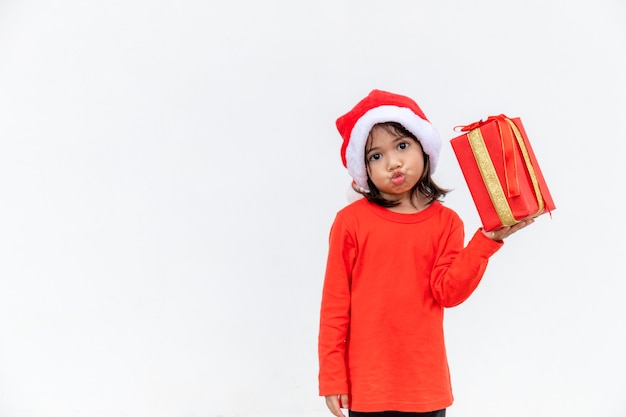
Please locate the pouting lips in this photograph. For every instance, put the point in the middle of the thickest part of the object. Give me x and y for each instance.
(397, 178)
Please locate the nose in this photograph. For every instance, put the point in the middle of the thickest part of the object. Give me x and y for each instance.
(394, 163)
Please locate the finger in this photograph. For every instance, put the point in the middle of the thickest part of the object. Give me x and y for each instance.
(500, 233)
(523, 224)
(517, 227)
(338, 412)
(332, 402)
(343, 401)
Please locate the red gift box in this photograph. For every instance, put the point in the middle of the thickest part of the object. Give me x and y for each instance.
(501, 171)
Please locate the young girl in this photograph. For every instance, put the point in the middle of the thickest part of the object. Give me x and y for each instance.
(396, 260)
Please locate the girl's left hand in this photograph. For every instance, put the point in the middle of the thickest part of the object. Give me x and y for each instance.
(506, 231)
(336, 402)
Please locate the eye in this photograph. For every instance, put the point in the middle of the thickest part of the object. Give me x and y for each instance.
(375, 156)
(403, 145)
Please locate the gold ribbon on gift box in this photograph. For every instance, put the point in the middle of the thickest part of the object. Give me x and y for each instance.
(510, 135)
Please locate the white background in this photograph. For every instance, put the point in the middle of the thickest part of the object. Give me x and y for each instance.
(169, 172)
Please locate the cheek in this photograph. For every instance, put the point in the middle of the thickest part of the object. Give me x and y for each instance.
(373, 172)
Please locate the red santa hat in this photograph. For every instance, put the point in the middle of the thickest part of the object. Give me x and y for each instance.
(380, 107)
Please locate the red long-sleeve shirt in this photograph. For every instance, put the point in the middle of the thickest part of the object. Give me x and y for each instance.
(388, 278)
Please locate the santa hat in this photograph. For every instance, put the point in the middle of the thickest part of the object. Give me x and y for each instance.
(380, 107)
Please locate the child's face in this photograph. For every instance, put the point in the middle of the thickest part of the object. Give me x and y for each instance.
(395, 163)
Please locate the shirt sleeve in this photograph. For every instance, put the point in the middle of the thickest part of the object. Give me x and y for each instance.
(458, 270)
(335, 311)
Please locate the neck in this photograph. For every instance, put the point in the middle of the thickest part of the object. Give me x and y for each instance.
(410, 205)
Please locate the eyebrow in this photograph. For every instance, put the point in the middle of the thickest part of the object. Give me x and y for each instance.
(402, 137)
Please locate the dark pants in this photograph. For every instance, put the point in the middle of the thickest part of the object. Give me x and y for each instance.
(439, 413)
